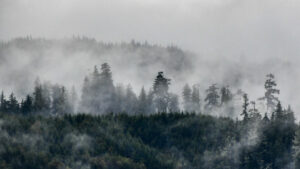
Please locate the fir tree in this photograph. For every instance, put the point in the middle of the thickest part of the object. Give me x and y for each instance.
(161, 95)
(212, 97)
(226, 95)
(142, 102)
(27, 106)
(13, 105)
(3, 103)
(271, 91)
(245, 107)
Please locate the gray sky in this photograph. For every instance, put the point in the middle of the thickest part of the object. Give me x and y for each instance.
(217, 27)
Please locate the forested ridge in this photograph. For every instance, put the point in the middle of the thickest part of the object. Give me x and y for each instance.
(108, 125)
(164, 140)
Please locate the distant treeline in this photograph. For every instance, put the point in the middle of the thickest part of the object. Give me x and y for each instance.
(99, 95)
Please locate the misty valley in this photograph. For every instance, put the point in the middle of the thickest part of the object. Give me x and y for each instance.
(88, 120)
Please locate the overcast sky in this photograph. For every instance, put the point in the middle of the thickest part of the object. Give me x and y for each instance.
(269, 28)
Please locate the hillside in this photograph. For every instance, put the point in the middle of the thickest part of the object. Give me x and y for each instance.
(68, 60)
(157, 141)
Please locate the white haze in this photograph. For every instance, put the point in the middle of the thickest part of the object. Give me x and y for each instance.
(237, 42)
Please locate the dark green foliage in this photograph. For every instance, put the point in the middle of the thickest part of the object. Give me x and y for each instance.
(173, 140)
(274, 148)
(12, 104)
(27, 105)
(3, 103)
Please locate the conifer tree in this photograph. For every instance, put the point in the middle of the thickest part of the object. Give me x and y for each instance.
(107, 89)
(271, 91)
(60, 101)
(73, 97)
(3, 103)
(13, 105)
(279, 114)
(187, 98)
(226, 95)
(196, 99)
(150, 102)
(245, 107)
(212, 97)
(131, 101)
(253, 112)
(174, 104)
(142, 102)
(27, 106)
(161, 95)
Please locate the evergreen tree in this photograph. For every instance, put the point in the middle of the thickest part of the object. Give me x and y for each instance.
(212, 97)
(174, 103)
(86, 98)
(131, 101)
(245, 107)
(266, 119)
(13, 105)
(46, 87)
(142, 102)
(60, 101)
(187, 98)
(253, 112)
(41, 97)
(98, 95)
(27, 105)
(3, 103)
(150, 102)
(226, 95)
(278, 112)
(196, 99)
(119, 99)
(296, 148)
(161, 95)
(107, 90)
(73, 97)
(271, 91)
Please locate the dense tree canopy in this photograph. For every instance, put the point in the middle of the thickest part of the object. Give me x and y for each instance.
(124, 130)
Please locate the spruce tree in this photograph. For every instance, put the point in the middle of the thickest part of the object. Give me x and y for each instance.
(27, 106)
(270, 93)
(212, 97)
(226, 95)
(13, 105)
(245, 107)
(161, 95)
(3, 103)
(131, 101)
(142, 102)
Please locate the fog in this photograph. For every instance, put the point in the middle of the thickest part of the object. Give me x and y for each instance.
(234, 42)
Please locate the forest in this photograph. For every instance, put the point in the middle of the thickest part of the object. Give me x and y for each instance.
(109, 126)
(149, 84)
